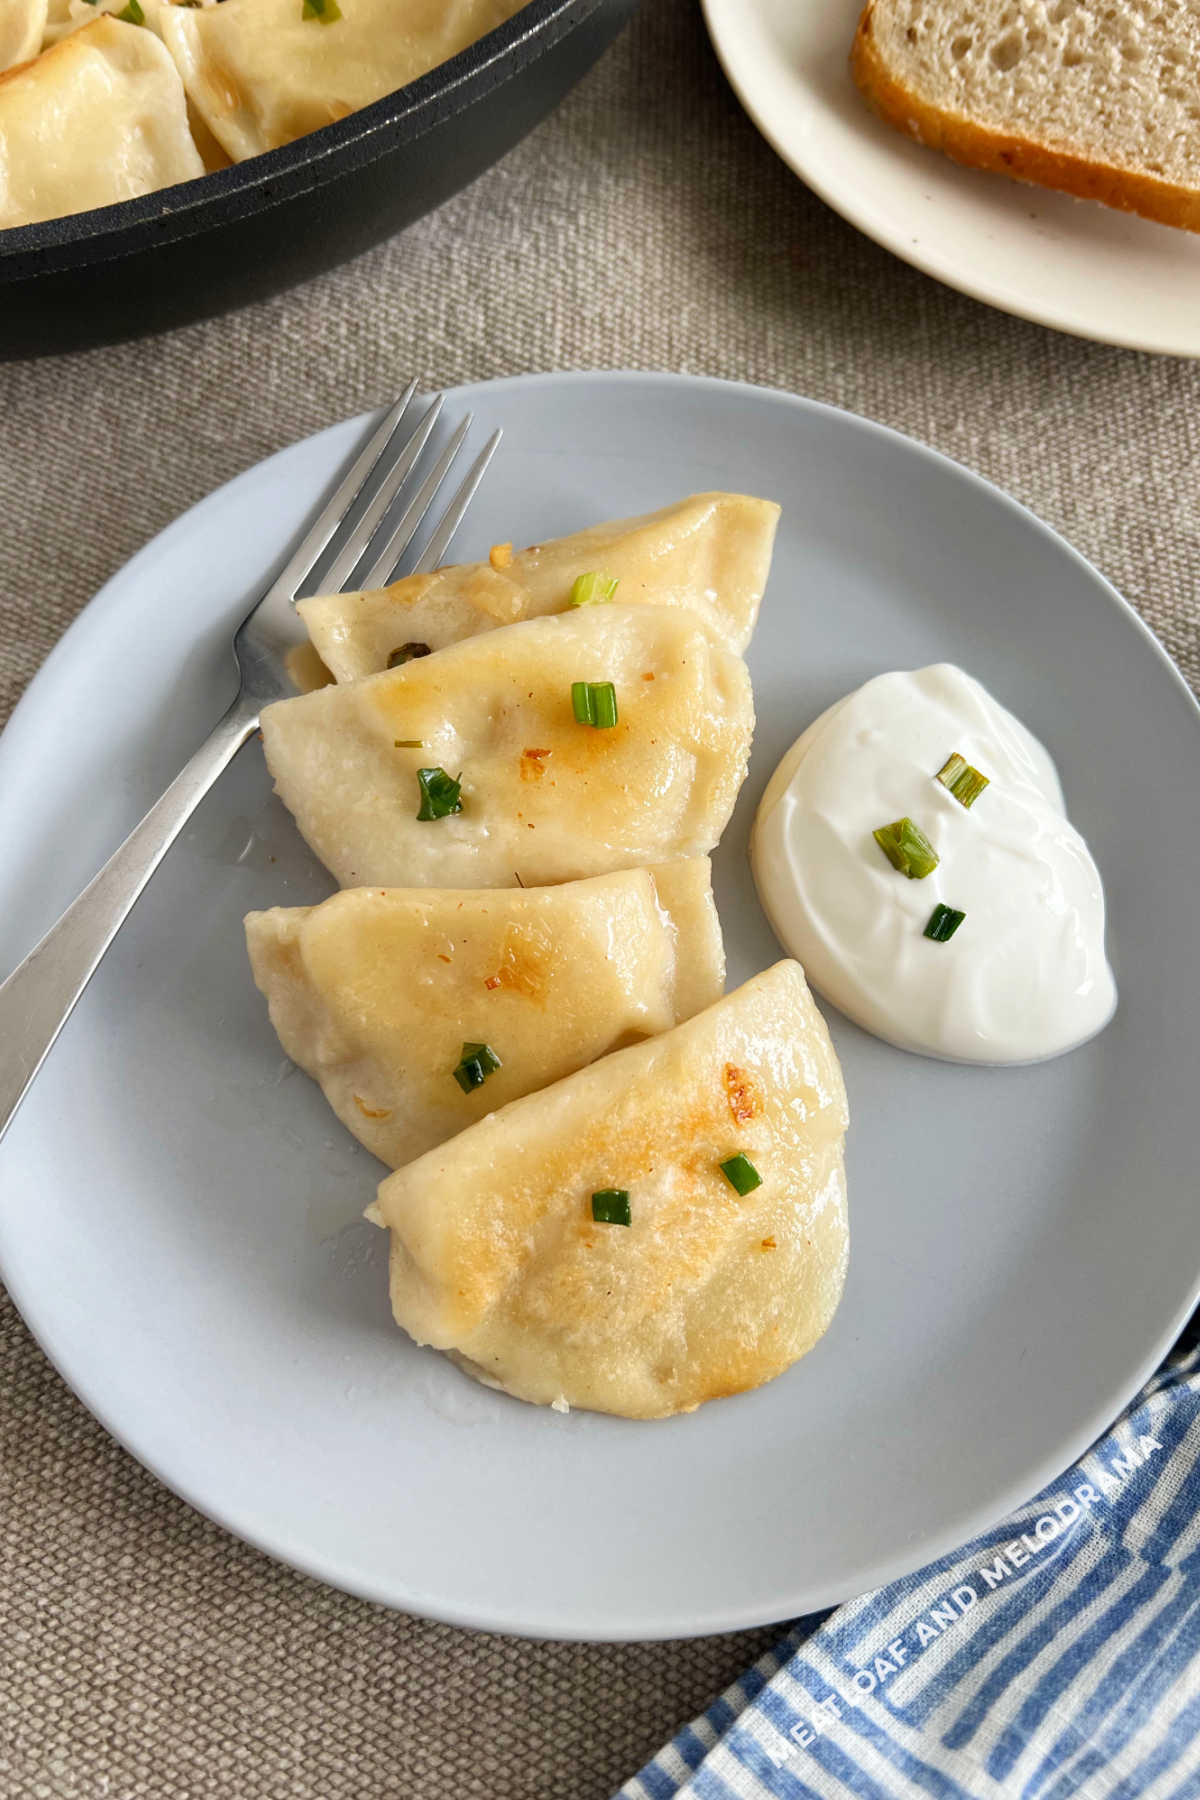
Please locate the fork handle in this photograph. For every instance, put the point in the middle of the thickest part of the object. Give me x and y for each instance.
(38, 997)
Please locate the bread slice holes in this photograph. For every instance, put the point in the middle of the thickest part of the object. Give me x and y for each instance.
(960, 47)
(1007, 53)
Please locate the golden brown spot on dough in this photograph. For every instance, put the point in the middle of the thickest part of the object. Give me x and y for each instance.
(744, 1103)
(725, 1386)
(524, 966)
(372, 1112)
(768, 1243)
(532, 764)
(442, 957)
(583, 746)
(649, 675)
(500, 555)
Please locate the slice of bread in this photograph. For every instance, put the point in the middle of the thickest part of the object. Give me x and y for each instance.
(1099, 98)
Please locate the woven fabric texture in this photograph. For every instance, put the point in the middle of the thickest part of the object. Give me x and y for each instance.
(143, 1653)
(1052, 1656)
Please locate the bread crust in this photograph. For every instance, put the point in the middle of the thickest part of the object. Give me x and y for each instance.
(1022, 159)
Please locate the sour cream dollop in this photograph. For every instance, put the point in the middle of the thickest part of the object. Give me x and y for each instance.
(1025, 975)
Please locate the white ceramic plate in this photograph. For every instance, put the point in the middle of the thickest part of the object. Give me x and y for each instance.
(1044, 256)
(180, 1220)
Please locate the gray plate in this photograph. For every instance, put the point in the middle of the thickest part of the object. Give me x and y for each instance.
(180, 1223)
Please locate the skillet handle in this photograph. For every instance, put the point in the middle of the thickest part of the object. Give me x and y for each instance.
(39, 996)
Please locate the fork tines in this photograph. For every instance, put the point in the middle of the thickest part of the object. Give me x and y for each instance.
(355, 541)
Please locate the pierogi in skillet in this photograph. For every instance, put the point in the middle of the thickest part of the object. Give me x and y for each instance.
(662, 1228)
(376, 991)
(263, 72)
(102, 124)
(99, 117)
(22, 25)
(710, 553)
(66, 16)
(479, 765)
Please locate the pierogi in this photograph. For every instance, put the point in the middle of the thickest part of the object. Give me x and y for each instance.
(497, 1257)
(710, 552)
(544, 797)
(263, 72)
(375, 991)
(99, 117)
(103, 124)
(66, 16)
(22, 25)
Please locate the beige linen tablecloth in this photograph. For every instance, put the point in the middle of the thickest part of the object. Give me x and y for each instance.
(142, 1652)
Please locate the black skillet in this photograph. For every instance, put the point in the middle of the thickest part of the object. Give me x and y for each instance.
(248, 231)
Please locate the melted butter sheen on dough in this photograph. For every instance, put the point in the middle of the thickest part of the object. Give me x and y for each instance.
(544, 799)
(375, 991)
(710, 552)
(496, 1258)
(261, 74)
(99, 117)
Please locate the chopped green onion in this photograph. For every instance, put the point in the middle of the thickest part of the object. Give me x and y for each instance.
(132, 14)
(964, 782)
(907, 849)
(325, 10)
(944, 921)
(476, 1063)
(405, 652)
(741, 1174)
(604, 695)
(594, 703)
(587, 590)
(440, 794)
(610, 1206)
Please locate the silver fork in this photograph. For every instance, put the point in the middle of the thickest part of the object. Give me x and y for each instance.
(38, 997)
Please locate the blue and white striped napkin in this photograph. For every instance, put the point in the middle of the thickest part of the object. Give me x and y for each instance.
(1057, 1655)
